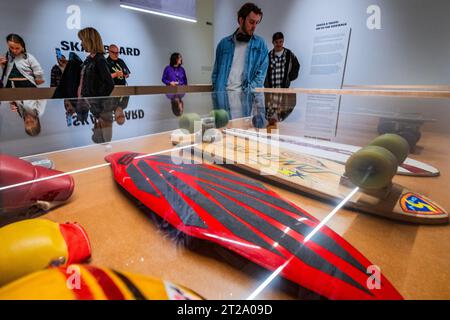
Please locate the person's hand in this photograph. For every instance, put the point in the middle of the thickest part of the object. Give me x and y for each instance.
(3, 60)
(118, 74)
(174, 83)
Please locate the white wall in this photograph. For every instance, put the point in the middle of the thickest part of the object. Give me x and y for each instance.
(43, 25)
(412, 47)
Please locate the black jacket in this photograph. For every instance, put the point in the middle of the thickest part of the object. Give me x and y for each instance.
(292, 68)
(70, 79)
(97, 80)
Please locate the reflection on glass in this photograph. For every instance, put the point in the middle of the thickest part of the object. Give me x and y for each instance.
(104, 112)
(30, 111)
(176, 103)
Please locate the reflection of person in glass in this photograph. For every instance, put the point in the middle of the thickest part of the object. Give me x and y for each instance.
(102, 131)
(103, 122)
(112, 109)
(177, 104)
(279, 106)
(30, 111)
(120, 104)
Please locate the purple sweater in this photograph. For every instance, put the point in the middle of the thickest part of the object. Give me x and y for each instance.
(174, 74)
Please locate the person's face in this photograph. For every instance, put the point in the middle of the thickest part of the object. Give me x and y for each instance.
(63, 61)
(179, 60)
(69, 107)
(82, 45)
(119, 116)
(15, 48)
(114, 53)
(30, 122)
(278, 44)
(248, 25)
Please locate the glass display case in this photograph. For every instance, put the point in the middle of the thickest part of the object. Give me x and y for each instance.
(237, 196)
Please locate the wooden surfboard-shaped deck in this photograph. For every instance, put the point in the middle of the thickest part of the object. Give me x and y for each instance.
(338, 152)
(322, 178)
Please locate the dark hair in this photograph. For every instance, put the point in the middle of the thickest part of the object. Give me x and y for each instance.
(177, 106)
(17, 39)
(245, 10)
(277, 36)
(174, 58)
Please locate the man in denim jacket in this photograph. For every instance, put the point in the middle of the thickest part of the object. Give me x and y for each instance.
(241, 58)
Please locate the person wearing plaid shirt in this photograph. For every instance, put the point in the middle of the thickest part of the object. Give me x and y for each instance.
(283, 65)
(57, 72)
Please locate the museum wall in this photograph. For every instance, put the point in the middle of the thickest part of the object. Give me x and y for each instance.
(411, 46)
(151, 39)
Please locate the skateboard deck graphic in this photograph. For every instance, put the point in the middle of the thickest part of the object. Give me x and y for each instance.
(242, 215)
(95, 283)
(322, 178)
(330, 150)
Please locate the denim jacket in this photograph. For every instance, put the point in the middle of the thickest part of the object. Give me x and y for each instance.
(256, 63)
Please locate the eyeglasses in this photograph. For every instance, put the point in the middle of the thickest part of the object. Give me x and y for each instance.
(114, 52)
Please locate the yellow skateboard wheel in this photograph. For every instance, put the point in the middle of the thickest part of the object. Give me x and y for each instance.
(396, 144)
(372, 167)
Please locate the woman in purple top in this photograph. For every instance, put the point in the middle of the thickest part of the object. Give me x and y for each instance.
(174, 74)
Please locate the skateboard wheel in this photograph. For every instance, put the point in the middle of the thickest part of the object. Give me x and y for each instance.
(395, 144)
(221, 117)
(187, 121)
(372, 167)
(212, 135)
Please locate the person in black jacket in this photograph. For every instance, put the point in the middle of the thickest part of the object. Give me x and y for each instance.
(283, 64)
(96, 80)
(70, 79)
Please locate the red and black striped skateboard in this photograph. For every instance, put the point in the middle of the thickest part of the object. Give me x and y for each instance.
(242, 215)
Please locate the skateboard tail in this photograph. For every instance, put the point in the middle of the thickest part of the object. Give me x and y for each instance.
(244, 216)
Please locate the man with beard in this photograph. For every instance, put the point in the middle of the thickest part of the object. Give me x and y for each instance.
(241, 58)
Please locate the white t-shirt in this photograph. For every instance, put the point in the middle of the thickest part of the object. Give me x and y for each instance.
(280, 53)
(237, 66)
